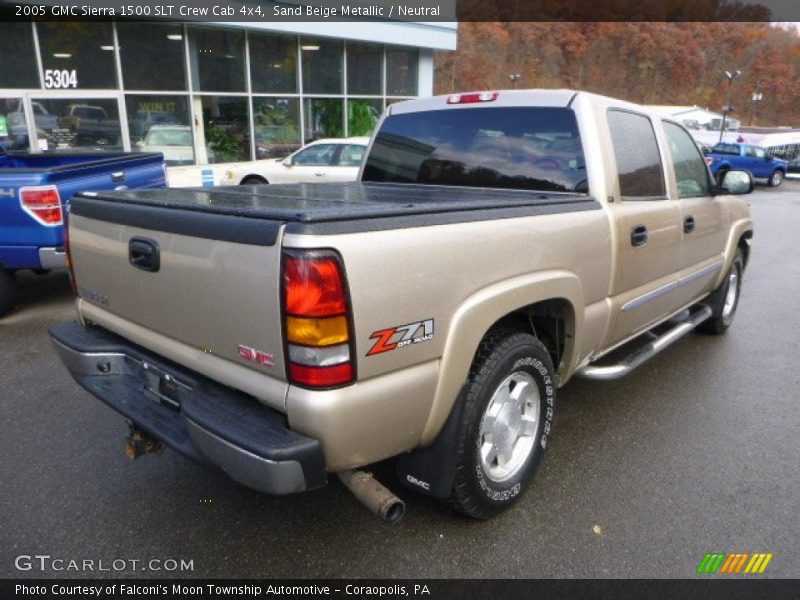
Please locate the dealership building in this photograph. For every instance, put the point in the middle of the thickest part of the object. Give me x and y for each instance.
(206, 93)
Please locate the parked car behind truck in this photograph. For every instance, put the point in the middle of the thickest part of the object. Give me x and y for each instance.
(496, 245)
(34, 194)
(754, 159)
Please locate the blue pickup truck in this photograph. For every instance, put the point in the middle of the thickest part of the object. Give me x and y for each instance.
(726, 157)
(34, 192)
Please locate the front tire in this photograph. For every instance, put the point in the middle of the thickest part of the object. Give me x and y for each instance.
(509, 402)
(725, 299)
(8, 291)
(776, 178)
(253, 180)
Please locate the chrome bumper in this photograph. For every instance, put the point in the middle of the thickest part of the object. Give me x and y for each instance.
(52, 258)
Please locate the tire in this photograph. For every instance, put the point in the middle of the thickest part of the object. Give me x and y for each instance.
(725, 299)
(776, 178)
(253, 180)
(495, 463)
(8, 291)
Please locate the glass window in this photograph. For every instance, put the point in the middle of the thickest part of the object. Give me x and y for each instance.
(732, 149)
(401, 72)
(516, 148)
(362, 116)
(161, 124)
(691, 172)
(217, 60)
(364, 69)
(319, 155)
(636, 152)
(322, 66)
(226, 126)
(77, 55)
(273, 64)
(152, 56)
(323, 118)
(17, 57)
(13, 128)
(352, 155)
(277, 126)
(63, 124)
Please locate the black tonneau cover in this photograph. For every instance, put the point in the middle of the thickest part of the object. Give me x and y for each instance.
(321, 207)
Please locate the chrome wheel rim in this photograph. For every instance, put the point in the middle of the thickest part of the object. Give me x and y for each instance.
(776, 178)
(508, 427)
(733, 292)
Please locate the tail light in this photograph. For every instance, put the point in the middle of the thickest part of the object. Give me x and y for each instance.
(317, 315)
(709, 161)
(43, 204)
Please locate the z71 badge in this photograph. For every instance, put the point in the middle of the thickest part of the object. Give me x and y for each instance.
(401, 336)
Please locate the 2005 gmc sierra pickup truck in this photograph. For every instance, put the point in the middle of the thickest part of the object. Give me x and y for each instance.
(495, 245)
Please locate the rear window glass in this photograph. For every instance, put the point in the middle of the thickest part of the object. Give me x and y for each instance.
(517, 148)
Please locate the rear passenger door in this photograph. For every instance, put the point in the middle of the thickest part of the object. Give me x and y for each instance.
(703, 216)
(347, 163)
(646, 227)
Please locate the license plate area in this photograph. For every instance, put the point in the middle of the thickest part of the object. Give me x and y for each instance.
(162, 387)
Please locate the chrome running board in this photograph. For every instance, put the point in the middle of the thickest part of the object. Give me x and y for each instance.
(648, 351)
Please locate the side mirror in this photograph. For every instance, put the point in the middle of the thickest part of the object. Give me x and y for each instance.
(287, 162)
(737, 183)
(140, 144)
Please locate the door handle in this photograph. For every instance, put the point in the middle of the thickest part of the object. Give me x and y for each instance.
(118, 176)
(319, 174)
(639, 235)
(688, 224)
(144, 254)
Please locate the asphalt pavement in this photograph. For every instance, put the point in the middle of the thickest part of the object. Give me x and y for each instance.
(697, 451)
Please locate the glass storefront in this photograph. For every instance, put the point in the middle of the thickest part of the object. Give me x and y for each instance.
(198, 94)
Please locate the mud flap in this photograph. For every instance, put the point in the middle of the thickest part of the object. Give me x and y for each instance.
(431, 470)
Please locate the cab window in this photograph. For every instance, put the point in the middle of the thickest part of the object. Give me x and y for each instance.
(351, 155)
(320, 155)
(641, 175)
(691, 173)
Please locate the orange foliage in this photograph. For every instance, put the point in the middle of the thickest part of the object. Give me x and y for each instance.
(648, 62)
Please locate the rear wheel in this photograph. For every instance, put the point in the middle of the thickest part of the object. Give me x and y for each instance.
(509, 402)
(776, 179)
(8, 291)
(725, 299)
(253, 180)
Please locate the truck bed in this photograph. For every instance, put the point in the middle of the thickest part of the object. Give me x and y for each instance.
(321, 207)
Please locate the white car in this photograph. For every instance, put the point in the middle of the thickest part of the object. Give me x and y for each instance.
(173, 141)
(336, 159)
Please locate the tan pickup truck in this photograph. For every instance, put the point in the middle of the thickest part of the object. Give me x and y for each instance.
(495, 245)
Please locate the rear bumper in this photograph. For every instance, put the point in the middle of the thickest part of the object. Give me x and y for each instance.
(52, 258)
(202, 420)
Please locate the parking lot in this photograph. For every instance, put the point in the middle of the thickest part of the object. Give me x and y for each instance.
(697, 451)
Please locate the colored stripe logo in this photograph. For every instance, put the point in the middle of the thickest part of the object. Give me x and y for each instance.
(733, 563)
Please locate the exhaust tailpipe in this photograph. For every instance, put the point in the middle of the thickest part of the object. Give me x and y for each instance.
(139, 442)
(372, 494)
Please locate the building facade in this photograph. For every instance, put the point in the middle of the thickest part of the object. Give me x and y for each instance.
(206, 93)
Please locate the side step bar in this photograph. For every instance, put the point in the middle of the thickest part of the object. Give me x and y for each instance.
(645, 353)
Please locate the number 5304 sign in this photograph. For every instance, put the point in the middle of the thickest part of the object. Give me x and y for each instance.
(55, 79)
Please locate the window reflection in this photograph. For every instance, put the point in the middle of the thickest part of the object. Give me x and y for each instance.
(77, 55)
(225, 124)
(273, 64)
(89, 123)
(322, 66)
(152, 56)
(277, 126)
(323, 118)
(17, 57)
(13, 128)
(161, 124)
(217, 60)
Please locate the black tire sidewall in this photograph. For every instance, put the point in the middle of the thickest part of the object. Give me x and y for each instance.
(8, 291)
(737, 265)
(526, 357)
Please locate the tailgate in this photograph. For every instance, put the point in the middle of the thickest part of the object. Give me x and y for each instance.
(208, 281)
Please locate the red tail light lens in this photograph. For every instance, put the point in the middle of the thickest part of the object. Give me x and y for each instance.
(43, 204)
(316, 319)
(472, 98)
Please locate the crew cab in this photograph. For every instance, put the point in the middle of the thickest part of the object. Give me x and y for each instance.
(746, 157)
(34, 194)
(496, 245)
